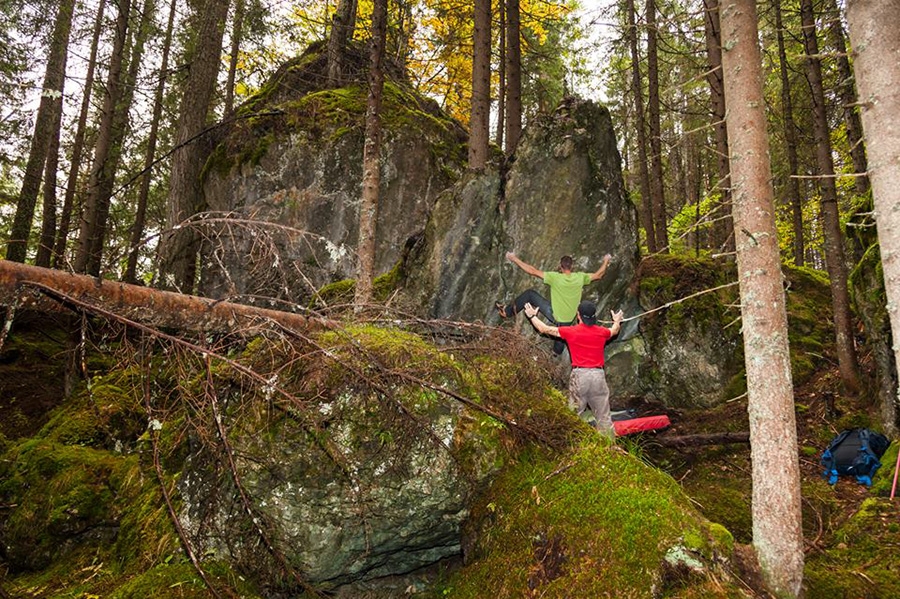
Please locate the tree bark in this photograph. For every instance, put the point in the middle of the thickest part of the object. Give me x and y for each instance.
(831, 226)
(777, 523)
(723, 226)
(140, 216)
(637, 91)
(481, 86)
(51, 101)
(115, 127)
(501, 78)
(179, 246)
(237, 27)
(105, 155)
(142, 304)
(404, 32)
(65, 218)
(48, 221)
(873, 26)
(368, 208)
(513, 76)
(790, 138)
(342, 25)
(846, 90)
(657, 187)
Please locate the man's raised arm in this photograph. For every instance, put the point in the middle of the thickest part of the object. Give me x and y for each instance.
(540, 325)
(598, 274)
(617, 322)
(524, 265)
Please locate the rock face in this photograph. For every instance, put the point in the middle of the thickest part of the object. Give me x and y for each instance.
(685, 356)
(362, 482)
(563, 194)
(292, 163)
(867, 285)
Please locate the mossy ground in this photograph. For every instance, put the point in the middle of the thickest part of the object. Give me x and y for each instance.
(565, 509)
(589, 522)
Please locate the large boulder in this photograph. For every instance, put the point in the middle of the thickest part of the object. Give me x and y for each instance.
(284, 184)
(867, 287)
(368, 471)
(562, 194)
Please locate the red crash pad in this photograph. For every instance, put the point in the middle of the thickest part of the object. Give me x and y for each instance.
(639, 425)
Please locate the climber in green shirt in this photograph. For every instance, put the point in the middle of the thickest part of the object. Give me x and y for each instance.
(565, 292)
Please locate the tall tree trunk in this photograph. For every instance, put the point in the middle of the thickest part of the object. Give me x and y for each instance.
(790, 138)
(237, 28)
(873, 26)
(723, 226)
(637, 91)
(831, 226)
(48, 222)
(501, 77)
(405, 28)
(179, 246)
(657, 187)
(479, 125)
(777, 523)
(847, 93)
(140, 216)
(513, 76)
(51, 94)
(100, 170)
(368, 208)
(342, 24)
(113, 130)
(65, 218)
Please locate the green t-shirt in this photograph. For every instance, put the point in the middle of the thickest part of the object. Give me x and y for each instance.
(565, 293)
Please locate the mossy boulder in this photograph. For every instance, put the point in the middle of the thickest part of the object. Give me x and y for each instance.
(288, 173)
(373, 471)
(590, 522)
(870, 301)
(689, 353)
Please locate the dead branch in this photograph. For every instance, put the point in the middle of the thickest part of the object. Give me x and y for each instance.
(160, 476)
(141, 304)
(704, 439)
(256, 518)
(333, 453)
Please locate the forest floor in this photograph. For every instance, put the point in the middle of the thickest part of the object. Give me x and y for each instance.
(851, 532)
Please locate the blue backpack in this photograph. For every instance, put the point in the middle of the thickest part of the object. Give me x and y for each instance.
(854, 452)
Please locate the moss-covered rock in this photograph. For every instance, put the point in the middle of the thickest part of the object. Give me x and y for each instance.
(590, 522)
(690, 353)
(288, 173)
(867, 288)
(370, 467)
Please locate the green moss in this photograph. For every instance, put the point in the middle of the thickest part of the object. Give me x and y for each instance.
(179, 579)
(553, 524)
(884, 477)
(339, 292)
(860, 562)
(723, 498)
(722, 538)
(342, 292)
(61, 491)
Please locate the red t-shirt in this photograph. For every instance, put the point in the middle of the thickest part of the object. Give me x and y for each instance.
(586, 344)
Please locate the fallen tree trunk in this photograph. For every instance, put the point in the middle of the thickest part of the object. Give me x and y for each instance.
(705, 439)
(27, 287)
